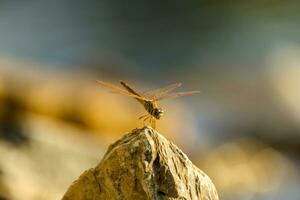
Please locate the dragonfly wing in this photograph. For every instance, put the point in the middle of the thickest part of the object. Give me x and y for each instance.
(177, 94)
(157, 93)
(129, 95)
(118, 90)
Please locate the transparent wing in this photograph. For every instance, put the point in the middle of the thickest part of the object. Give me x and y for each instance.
(157, 93)
(117, 90)
(177, 94)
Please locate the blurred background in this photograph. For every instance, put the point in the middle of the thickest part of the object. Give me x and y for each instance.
(244, 56)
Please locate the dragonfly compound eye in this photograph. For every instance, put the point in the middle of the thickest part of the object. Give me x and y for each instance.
(158, 113)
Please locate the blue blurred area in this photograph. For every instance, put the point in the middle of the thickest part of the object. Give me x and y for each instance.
(156, 35)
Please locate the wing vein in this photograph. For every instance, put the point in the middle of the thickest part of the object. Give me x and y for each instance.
(118, 90)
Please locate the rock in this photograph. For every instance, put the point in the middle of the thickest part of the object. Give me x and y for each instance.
(143, 165)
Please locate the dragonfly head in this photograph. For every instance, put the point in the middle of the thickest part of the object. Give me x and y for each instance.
(158, 112)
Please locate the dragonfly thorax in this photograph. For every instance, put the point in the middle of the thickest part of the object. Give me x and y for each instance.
(153, 110)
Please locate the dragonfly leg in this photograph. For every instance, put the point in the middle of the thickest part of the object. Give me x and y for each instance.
(146, 118)
(141, 117)
(152, 122)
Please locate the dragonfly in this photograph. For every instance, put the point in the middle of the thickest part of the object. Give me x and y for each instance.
(148, 99)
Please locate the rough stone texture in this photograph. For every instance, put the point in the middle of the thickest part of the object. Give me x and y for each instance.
(143, 165)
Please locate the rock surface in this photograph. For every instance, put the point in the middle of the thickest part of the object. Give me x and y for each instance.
(143, 165)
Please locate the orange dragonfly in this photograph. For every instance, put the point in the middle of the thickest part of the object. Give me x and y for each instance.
(148, 99)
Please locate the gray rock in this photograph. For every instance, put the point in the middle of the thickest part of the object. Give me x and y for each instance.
(143, 165)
